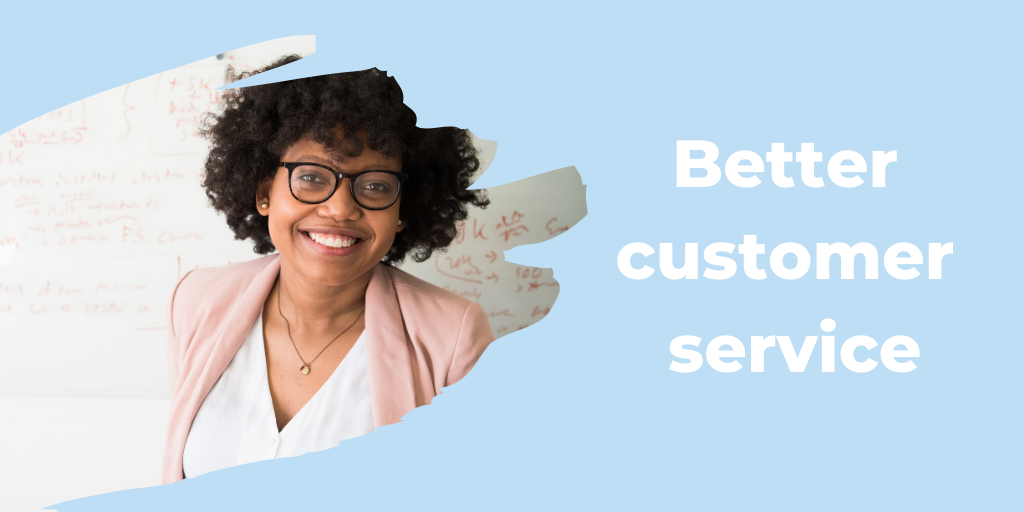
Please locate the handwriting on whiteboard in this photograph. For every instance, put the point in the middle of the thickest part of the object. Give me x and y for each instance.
(183, 96)
(474, 267)
(102, 211)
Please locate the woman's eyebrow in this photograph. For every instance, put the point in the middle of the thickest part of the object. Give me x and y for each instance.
(317, 160)
(340, 166)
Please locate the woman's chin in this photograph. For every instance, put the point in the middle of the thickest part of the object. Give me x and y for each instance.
(332, 276)
(330, 269)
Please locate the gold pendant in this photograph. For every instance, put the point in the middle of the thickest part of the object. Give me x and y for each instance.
(304, 369)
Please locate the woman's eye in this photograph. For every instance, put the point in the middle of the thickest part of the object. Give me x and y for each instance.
(376, 187)
(312, 178)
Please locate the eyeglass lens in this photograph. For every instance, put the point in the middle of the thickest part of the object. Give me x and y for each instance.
(371, 190)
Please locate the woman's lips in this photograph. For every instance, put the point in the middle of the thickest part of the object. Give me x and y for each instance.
(337, 244)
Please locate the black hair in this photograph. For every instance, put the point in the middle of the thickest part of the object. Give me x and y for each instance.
(257, 124)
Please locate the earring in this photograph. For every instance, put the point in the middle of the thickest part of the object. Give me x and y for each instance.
(264, 204)
(399, 222)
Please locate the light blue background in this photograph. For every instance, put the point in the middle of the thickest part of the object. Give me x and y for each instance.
(581, 411)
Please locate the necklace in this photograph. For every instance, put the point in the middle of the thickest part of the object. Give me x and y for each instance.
(305, 366)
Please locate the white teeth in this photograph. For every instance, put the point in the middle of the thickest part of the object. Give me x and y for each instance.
(330, 241)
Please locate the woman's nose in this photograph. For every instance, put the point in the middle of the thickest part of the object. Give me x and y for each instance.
(341, 205)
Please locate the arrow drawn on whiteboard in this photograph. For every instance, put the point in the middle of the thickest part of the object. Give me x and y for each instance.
(529, 211)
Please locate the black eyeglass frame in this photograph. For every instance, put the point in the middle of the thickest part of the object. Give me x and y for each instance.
(351, 183)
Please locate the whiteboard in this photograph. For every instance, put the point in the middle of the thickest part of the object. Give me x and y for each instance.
(101, 212)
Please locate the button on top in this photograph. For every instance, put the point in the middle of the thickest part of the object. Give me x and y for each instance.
(273, 441)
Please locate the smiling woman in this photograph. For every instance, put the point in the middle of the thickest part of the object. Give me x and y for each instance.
(324, 340)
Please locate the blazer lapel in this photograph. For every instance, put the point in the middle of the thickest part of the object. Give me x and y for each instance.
(392, 391)
(233, 331)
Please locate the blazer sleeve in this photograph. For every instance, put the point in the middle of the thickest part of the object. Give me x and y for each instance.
(474, 337)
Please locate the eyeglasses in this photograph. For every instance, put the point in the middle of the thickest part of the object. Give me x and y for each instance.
(314, 183)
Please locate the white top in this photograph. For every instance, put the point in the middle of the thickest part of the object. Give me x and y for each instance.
(236, 423)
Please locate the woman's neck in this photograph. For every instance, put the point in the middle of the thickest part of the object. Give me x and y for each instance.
(313, 305)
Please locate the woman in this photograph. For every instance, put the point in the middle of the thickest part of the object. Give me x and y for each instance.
(324, 340)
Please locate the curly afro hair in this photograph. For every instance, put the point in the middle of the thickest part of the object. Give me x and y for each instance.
(256, 125)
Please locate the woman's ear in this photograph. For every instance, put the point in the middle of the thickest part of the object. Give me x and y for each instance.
(263, 196)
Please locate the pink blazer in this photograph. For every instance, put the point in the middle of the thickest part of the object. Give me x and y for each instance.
(419, 339)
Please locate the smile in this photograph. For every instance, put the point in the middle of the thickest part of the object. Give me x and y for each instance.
(334, 241)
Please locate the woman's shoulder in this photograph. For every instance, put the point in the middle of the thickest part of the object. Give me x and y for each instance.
(430, 311)
(208, 291)
(225, 279)
(453, 328)
(408, 284)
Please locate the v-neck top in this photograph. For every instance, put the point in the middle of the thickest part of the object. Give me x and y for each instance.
(419, 338)
(236, 423)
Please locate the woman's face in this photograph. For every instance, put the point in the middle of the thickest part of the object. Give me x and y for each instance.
(308, 236)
